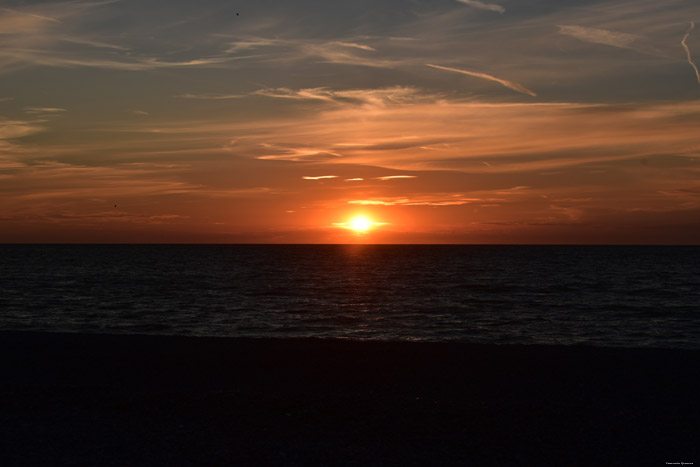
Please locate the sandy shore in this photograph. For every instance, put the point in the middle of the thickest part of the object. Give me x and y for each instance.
(147, 400)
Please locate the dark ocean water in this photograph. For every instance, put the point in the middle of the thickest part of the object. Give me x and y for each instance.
(598, 295)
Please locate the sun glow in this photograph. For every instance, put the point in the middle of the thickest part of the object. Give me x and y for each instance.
(361, 224)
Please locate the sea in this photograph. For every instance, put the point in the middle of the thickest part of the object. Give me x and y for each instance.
(619, 296)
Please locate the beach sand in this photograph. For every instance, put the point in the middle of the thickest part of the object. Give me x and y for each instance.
(109, 400)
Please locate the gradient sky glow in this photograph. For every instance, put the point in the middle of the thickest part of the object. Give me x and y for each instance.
(451, 121)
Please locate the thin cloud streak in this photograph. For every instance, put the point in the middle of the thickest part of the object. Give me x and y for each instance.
(395, 177)
(40, 17)
(600, 36)
(483, 5)
(37, 57)
(357, 46)
(43, 110)
(338, 53)
(687, 51)
(352, 97)
(211, 96)
(437, 199)
(509, 84)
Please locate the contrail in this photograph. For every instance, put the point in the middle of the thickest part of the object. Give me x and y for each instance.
(687, 51)
(509, 84)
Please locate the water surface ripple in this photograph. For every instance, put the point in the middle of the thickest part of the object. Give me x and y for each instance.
(598, 295)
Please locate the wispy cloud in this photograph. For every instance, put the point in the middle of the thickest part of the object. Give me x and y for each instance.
(55, 35)
(395, 177)
(510, 137)
(102, 217)
(353, 97)
(687, 51)
(354, 179)
(45, 58)
(251, 44)
(323, 94)
(291, 152)
(93, 43)
(600, 36)
(483, 5)
(434, 199)
(43, 110)
(318, 177)
(509, 84)
(294, 50)
(10, 129)
(14, 21)
(211, 96)
(341, 53)
(356, 46)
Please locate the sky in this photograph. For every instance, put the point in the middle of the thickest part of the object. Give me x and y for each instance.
(441, 121)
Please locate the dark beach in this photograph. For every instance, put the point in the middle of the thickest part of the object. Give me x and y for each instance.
(72, 399)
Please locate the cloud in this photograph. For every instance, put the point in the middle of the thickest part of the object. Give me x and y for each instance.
(244, 45)
(339, 53)
(687, 51)
(140, 112)
(434, 199)
(10, 129)
(323, 94)
(356, 46)
(93, 43)
(524, 137)
(59, 35)
(354, 179)
(511, 137)
(483, 5)
(14, 21)
(394, 95)
(60, 181)
(395, 177)
(509, 84)
(319, 177)
(43, 110)
(600, 36)
(46, 58)
(101, 217)
(291, 152)
(255, 192)
(211, 96)
(295, 50)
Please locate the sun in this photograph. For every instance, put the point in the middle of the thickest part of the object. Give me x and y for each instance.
(360, 224)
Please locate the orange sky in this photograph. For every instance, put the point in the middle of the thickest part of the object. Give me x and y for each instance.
(442, 122)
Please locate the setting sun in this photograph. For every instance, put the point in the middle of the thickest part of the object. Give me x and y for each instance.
(361, 224)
